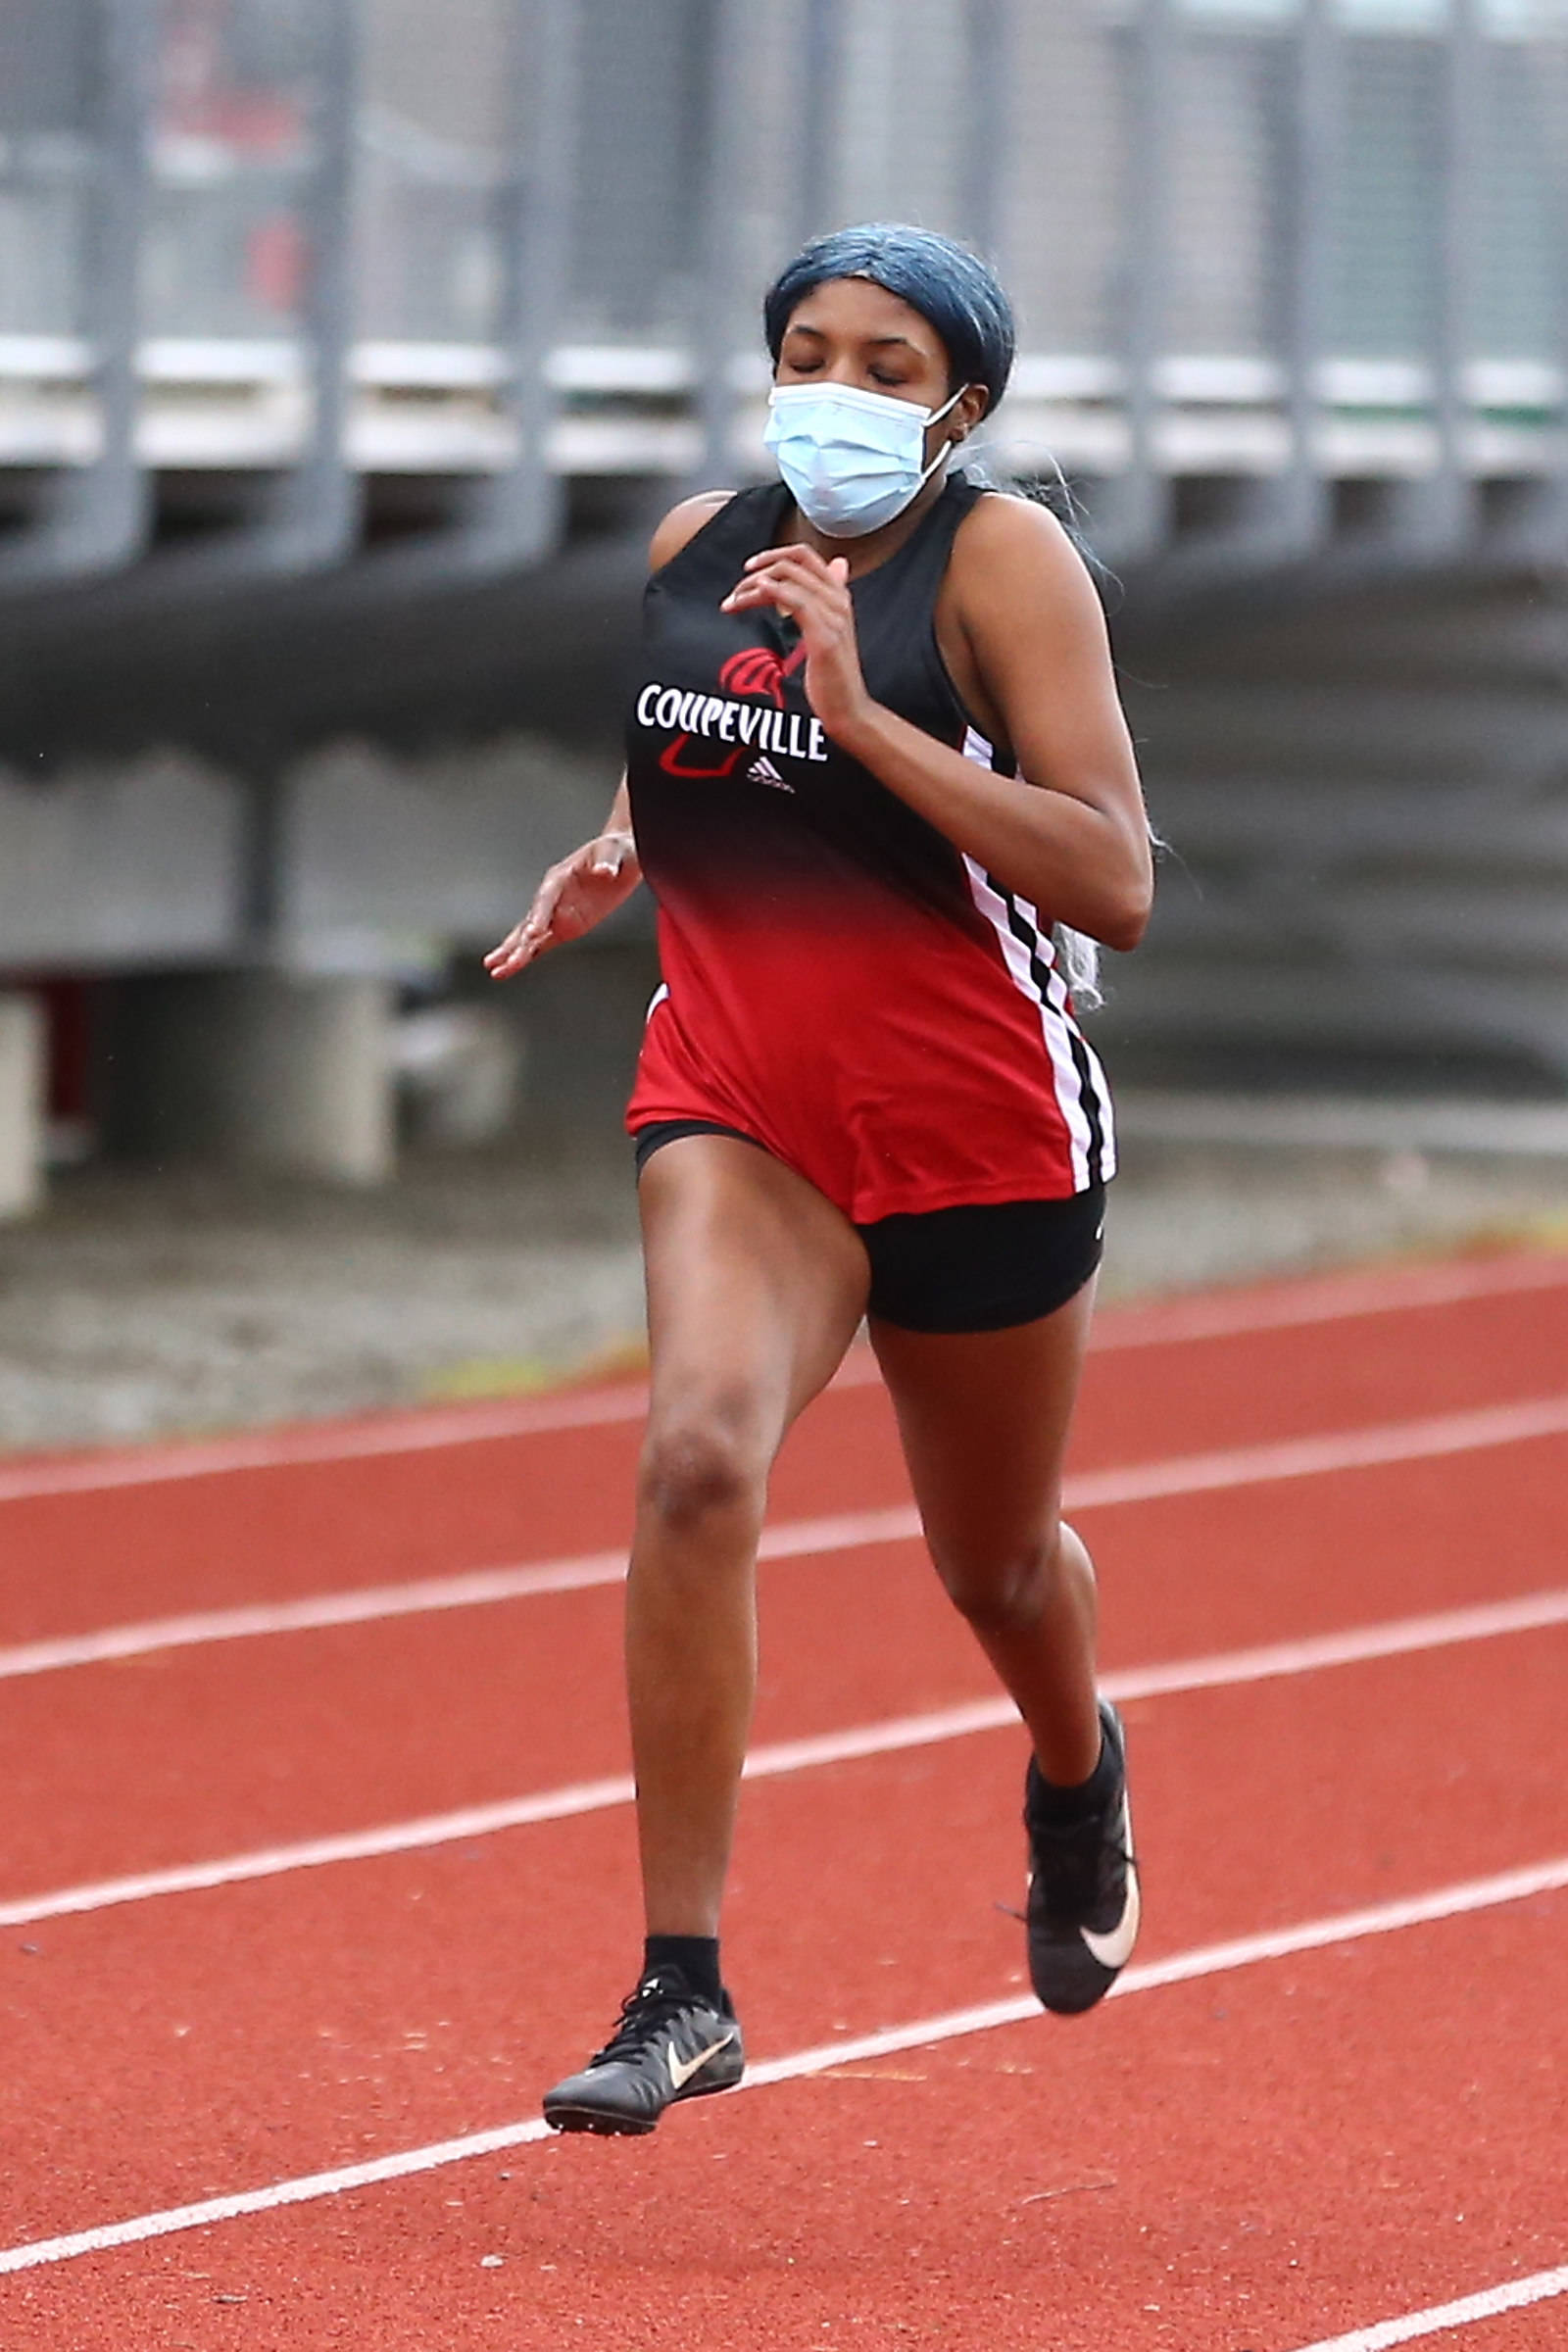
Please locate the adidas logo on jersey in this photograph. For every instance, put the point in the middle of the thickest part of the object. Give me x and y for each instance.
(762, 771)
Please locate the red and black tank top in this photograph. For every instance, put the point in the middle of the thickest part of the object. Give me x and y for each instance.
(839, 981)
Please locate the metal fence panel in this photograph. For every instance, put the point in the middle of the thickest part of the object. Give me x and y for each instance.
(47, 157)
(1275, 243)
(1226, 228)
(1063, 203)
(436, 139)
(1384, 291)
(638, 201)
(1521, 288)
(225, 250)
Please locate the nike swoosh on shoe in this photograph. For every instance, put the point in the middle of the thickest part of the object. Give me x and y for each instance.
(1113, 1948)
(681, 2070)
(1116, 1949)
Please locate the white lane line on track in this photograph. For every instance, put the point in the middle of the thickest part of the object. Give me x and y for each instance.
(1163, 1323)
(845, 1531)
(1426, 1439)
(1329, 1299)
(272, 1450)
(474, 1587)
(1516, 2294)
(1398, 1637)
(1182, 1967)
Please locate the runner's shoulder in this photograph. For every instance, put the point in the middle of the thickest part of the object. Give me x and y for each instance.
(1004, 526)
(682, 524)
(1010, 548)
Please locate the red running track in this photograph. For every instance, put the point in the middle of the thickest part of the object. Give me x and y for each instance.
(1270, 2155)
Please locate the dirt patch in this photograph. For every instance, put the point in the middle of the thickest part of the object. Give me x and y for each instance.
(142, 1302)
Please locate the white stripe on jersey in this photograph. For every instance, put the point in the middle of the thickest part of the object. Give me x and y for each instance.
(1060, 1030)
(1058, 999)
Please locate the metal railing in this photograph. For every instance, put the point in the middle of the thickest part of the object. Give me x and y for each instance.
(1282, 265)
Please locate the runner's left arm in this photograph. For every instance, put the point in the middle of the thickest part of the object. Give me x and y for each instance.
(1077, 846)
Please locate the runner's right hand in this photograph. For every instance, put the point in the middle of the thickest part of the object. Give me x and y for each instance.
(573, 896)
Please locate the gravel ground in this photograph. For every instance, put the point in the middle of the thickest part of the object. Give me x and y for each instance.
(142, 1302)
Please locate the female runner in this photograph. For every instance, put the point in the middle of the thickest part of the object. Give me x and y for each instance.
(875, 761)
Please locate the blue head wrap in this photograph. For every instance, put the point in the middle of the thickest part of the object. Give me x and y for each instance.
(951, 288)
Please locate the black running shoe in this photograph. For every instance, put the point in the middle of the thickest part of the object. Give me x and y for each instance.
(670, 2043)
(1083, 1892)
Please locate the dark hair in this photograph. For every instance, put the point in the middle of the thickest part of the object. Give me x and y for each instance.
(951, 287)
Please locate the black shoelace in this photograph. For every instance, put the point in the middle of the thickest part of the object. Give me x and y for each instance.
(642, 2013)
(1080, 1860)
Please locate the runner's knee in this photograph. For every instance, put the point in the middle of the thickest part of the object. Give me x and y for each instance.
(698, 1466)
(999, 1588)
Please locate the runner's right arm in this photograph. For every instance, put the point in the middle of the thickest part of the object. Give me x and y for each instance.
(576, 894)
(599, 877)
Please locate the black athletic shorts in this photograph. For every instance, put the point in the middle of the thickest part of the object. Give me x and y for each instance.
(980, 1268)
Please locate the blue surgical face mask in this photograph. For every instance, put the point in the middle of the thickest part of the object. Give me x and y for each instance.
(851, 460)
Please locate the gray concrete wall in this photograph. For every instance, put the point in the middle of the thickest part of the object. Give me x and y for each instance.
(259, 1068)
(22, 1105)
(372, 861)
(107, 864)
(1366, 795)
(1367, 805)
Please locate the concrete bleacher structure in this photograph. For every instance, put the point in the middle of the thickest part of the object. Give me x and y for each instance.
(1369, 797)
(345, 348)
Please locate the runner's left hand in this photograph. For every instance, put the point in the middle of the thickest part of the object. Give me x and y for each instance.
(815, 595)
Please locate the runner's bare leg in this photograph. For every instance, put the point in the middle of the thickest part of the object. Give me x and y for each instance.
(984, 1418)
(756, 1286)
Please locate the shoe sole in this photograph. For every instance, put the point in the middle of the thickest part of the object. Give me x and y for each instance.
(611, 2126)
(590, 2119)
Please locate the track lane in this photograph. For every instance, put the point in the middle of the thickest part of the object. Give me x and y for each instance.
(186, 1754)
(890, 1736)
(71, 1562)
(271, 2028)
(862, 2057)
(1234, 2161)
(381, 2292)
(1372, 1445)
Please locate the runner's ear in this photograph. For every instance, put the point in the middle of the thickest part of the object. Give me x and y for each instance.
(973, 402)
